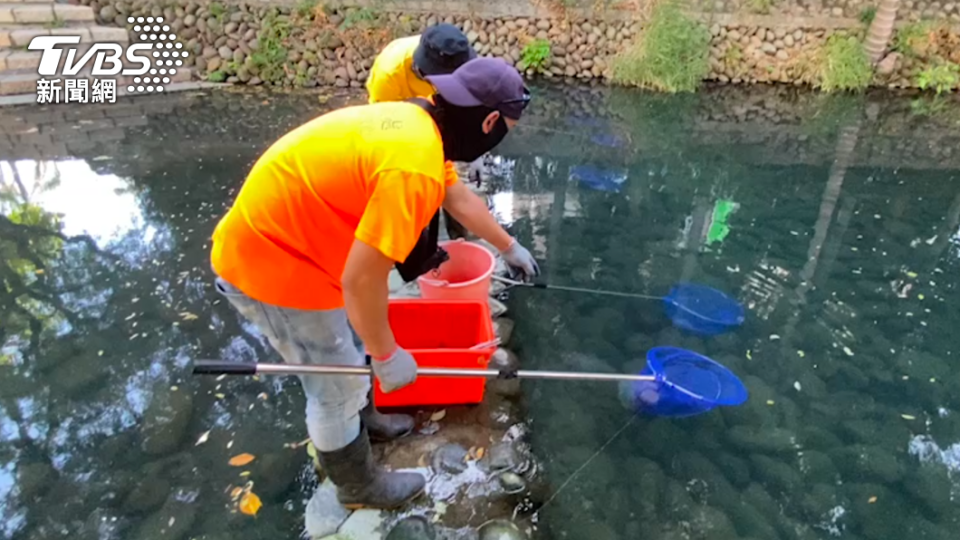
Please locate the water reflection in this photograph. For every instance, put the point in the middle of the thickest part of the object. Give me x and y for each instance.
(841, 238)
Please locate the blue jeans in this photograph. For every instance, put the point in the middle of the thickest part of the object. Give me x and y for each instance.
(314, 337)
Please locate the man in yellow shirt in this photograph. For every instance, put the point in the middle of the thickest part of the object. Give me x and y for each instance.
(325, 214)
(400, 70)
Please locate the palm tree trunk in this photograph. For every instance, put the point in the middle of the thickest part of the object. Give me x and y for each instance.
(878, 36)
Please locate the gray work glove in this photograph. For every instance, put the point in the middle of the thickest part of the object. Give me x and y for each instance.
(519, 259)
(397, 371)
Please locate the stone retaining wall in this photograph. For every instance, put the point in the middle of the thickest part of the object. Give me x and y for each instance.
(306, 44)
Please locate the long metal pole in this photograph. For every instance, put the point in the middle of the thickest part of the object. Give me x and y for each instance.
(217, 367)
(575, 289)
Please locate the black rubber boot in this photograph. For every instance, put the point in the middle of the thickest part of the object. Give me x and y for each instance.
(361, 483)
(385, 427)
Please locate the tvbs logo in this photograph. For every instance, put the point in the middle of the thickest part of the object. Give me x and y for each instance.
(108, 58)
(152, 62)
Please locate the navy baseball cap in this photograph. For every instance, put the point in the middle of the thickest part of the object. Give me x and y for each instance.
(485, 81)
(443, 48)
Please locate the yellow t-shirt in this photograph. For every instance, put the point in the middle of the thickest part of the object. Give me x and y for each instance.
(371, 172)
(392, 77)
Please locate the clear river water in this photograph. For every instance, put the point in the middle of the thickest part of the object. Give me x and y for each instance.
(833, 220)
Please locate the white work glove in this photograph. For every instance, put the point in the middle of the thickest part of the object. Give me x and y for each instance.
(519, 259)
(396, 371)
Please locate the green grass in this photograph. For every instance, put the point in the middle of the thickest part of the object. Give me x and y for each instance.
(217, 76)
(760, 6)
(535, 55)
(911, 37)
(844, 65)
(305, 8)
(942, 77)
(271, 53)
(217, 11)
(671, 56)
(867, 15)
(358, 17)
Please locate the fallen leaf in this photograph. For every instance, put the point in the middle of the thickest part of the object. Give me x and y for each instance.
(908, 417)
(801, 354)
(847, 351)
(262, 395)
(229, 445)
(174, 388)
(235, 493)
(240, 460)
(187, 316)
(171, 521)
(220, 396)
(311, 450)
(770, 402)
(203, 438)
(749, 357)
(99, 353)
(480, 452)
(245, 474)
(774, 337)
(250, 504)
(872, 500)
(38, 271)
(438, 416)
(912, 275)
(470, 454)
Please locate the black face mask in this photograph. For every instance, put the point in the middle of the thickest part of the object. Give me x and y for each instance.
(462, 130)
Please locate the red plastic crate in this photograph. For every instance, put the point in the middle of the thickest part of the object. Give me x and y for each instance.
(439, 333)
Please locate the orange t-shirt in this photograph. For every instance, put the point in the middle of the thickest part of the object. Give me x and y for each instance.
(371, 172)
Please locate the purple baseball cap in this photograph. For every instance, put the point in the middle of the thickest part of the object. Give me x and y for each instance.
(485, 81)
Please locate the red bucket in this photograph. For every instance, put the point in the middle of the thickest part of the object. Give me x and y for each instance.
(465, 275)
(439, 333)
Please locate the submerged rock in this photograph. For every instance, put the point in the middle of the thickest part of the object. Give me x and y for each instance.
(449, 458)
(648, 486)
(503, 327)
(172, 521)
(817, 467)
(511, 482)
(774, 474)
(749, 522)
(709, 523)
(147, 495)
(758, 498)
(324, 513)
(275, 472)
(770, 440)
(930, 484)
(34, 479)
(868, 463)
(165, 420)
(366, 524)
(501, 529)
(505, 457)
(412, 528)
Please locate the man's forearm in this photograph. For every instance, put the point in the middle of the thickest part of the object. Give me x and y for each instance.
(366, 303)
(472, 213)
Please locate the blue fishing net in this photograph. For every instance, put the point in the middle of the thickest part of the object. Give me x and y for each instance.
(687, 384)
(702, 310)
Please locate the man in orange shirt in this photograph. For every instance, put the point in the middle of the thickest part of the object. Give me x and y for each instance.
(322, 218)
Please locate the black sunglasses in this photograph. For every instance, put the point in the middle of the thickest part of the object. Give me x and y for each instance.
(524, 100)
